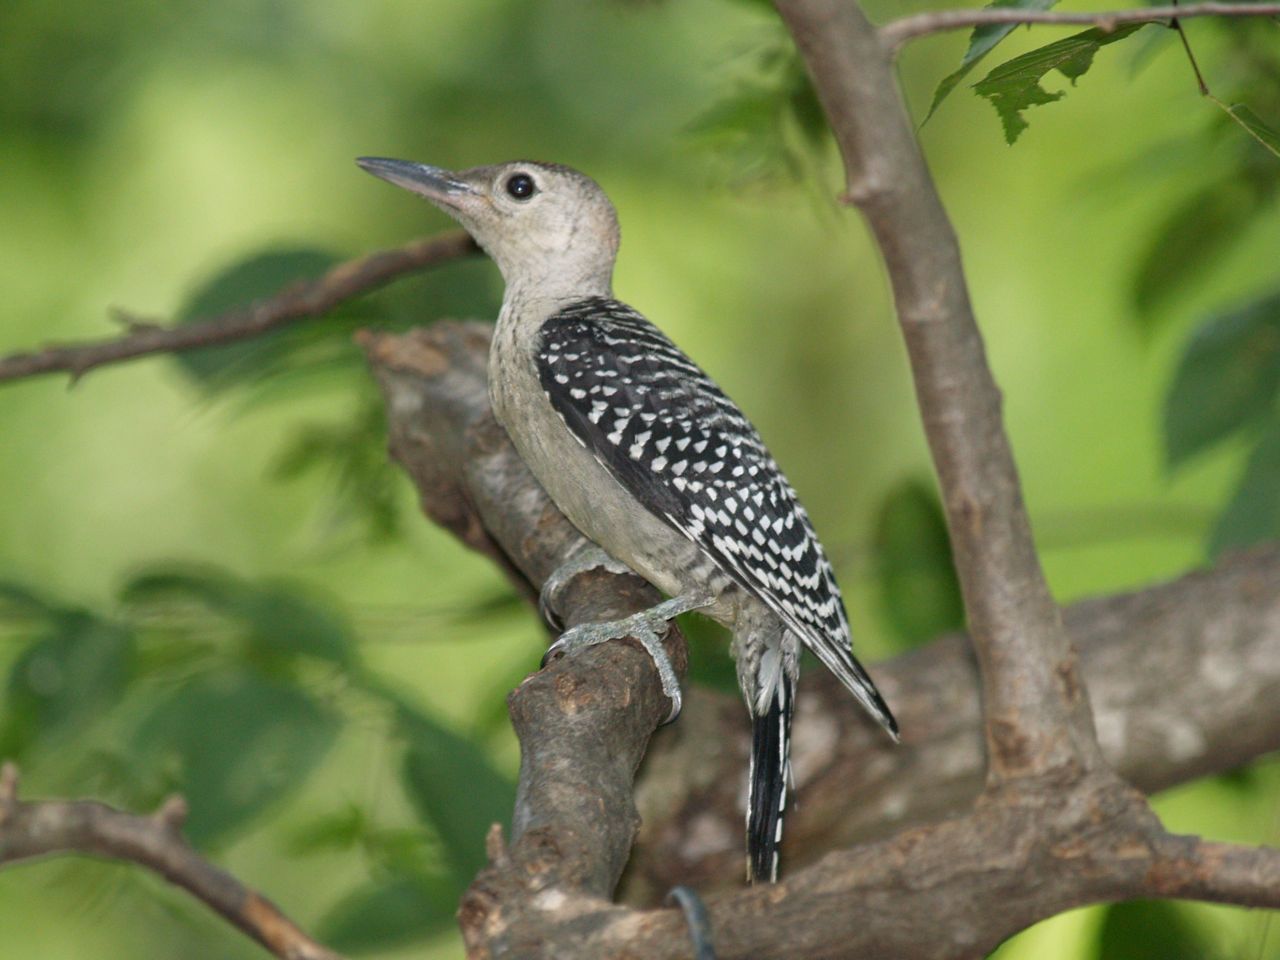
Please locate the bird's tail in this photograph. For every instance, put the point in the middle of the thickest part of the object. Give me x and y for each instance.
(770, 771)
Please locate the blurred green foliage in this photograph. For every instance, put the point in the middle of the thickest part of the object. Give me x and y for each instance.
(919, 589)
(1150, 930)
(323, 673)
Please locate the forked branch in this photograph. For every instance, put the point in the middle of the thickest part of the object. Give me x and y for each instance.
(30, 829)
(1037, 713)
(962, 884)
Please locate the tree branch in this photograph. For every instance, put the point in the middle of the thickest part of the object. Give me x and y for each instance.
(1183, 678)
(1052, 808)
(583, 722)
(39, 829)
(1037, 714)
(898, 32)
(302, 300)
(952, 889)
(1191, 868)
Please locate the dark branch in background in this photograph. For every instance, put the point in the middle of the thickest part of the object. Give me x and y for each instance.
(897, 32)
(48, 828)
(906, 896)
(303, 300)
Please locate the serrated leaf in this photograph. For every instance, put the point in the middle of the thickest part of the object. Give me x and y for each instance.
(77, 669)
(919, 590)
(1253, 515)
(390, 913)
(1014, 86)
(1228, 379)
(1150, 930)
(1198, 233)
(276, 618)
(233, 743)
(981, 42)
(452, 785)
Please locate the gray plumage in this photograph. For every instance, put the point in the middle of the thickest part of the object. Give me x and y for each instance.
(646, 456)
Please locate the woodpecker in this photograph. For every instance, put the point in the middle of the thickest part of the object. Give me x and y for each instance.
(648, 458)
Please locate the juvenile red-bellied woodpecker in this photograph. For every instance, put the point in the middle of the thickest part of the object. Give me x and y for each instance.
(648, 458)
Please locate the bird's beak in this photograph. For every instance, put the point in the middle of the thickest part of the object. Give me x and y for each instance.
(436, 184)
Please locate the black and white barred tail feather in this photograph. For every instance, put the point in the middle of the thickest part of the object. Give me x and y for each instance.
(770, 773)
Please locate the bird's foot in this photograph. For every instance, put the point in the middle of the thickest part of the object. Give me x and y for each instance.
(647, 627)
(695, 915)
(585, 558)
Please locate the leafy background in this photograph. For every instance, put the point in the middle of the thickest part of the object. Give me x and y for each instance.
(211, 580)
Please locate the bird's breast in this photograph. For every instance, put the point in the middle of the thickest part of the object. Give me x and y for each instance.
(582, 488)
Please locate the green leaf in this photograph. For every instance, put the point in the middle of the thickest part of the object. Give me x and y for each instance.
(1198, 233)
(453, 787)
(1254, 124)
(77, 669)
(390, 913)
(1014, 86)
(233, 743)
(1228, 379)
(1253, 515)
(341, 830)
(283, 620)
(1150, 930)
(771, 125)
(238, 286)
(919, 590)
(981, 42)
(277, 619)
(17, 601)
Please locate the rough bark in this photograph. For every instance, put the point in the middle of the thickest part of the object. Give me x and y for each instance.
(1085, 839)
(1184, 679)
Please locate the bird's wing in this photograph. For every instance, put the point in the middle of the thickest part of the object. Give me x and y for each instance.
(673, 439)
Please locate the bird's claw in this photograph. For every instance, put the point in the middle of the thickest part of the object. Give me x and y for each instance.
(585, 558)
(643, 627)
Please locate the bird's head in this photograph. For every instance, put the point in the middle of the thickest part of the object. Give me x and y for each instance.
(547, 226)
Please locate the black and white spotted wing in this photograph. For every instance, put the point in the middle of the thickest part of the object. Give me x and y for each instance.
(664, 429)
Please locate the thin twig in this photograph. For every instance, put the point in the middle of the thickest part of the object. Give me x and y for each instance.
(897, 32)
(1203, 86)
(46, 828)
(1176, 24)
(302, 300)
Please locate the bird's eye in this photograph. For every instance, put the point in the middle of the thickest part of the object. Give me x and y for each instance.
(520, 186)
